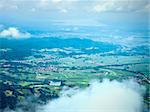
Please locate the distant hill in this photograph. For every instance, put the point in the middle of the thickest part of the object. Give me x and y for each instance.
(21, 48)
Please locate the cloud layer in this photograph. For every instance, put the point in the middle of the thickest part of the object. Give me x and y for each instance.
(97, 5)
(119, 5)
(13, 32)
(108, 96)
(41, 14)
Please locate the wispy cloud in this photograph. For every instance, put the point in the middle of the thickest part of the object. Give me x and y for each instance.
(128, 41)
(119, 5)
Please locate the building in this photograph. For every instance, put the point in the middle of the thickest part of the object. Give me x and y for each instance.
(55, 83)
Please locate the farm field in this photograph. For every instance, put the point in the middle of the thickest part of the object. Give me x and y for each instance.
(45, 73)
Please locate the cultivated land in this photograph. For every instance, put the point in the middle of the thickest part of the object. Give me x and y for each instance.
(46, 71)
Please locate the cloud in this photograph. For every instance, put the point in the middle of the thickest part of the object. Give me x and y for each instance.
(108, 96)
(56, 1)
(146, 8)
(69, 10)
(119, 5)
(128, 41)
(95, 5)
(64, 10)
(13, 32)
(4, 5)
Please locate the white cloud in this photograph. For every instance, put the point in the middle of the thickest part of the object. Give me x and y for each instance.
(56, 1)
(13, 32)
(128, 41)
(43, 3)
(96, 5)
(5, 5)
(118, 5)
(64, 10)
(54, 5)
(108, 96)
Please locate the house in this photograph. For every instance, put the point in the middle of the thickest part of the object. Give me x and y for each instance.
(55, 83)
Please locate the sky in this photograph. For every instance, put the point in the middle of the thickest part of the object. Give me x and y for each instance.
(114, 21)
(43, 14)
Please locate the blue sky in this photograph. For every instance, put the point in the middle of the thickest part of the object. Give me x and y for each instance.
(42, 14)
